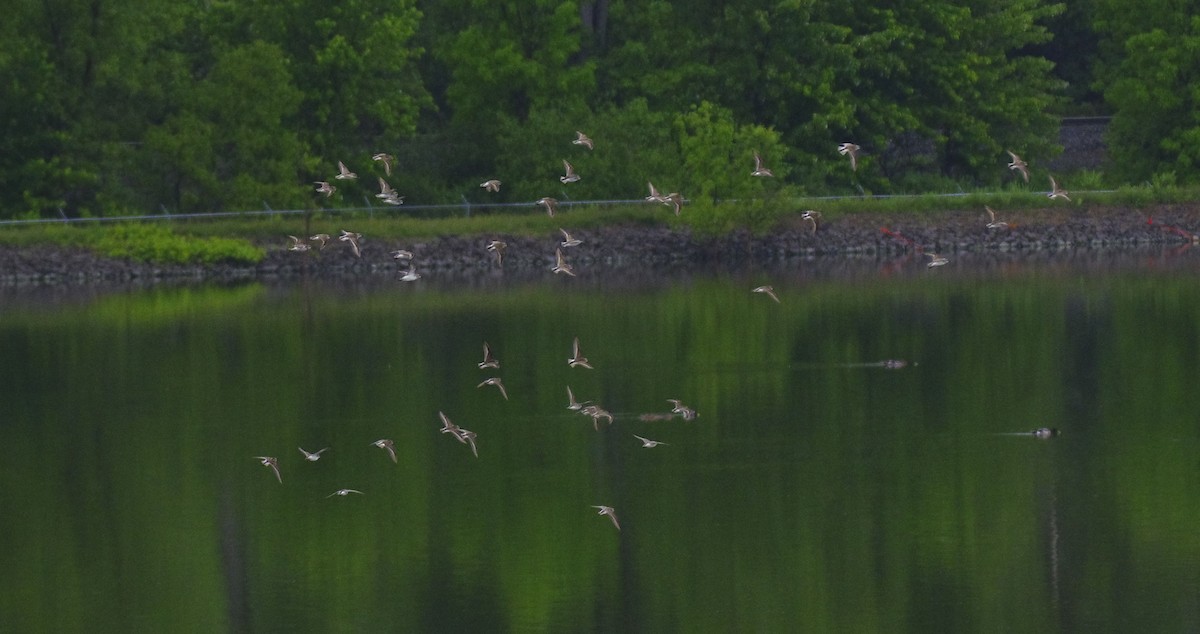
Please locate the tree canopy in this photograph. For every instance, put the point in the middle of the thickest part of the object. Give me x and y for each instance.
(117, 106)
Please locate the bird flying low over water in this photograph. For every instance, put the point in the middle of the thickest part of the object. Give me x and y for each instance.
(498, 247)
(387, 445)
(767, 290)
(568, 240)
(936, 260)
(344, 492)
(577, 360)
(649, 444)
(498, 383)
(612, 514)
(488, 360)
(813, 217)
(994, 224)
(312, 456)
(654, 195)
(298, 244)
(560, 264)
(273, 463)
(352, 239)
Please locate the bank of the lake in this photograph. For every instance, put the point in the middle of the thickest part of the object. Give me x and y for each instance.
(1075, 229)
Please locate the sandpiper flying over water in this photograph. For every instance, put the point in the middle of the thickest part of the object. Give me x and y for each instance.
(654, 195)
(352, 239)
(994, 224)
(612, 515)
(936, 260)
(813, 217)
(344, 492)
(560, 264)
(314, 455)
(577, 360)
(649, 444)
(268, 461)
(767, 290)
(298, 245)
(387, 445)
(495, 381)
(569, 241)
(488, 360)
(497, 247)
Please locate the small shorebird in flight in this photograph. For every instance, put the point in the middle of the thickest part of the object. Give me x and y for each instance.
(449, 427)
(1044, 432)
(560, 264)
(322, 238)
(312, 456)
(388, 445)
(570, 176)
(759, 168)
(767, 290)
(345, 174)
(1056, 191)
(298, 245)
(584, 140)
(401, 254)
(994, 224)
(386, 159)
(498, 247)
(1018, 165)
(596, 413)
(685, 412)
(936, 260)
(851, 150)
(469, 437)
(352, 238)
(268, 461)
(385, 190)
(654, 196)
(569, 241)
(411, 275)
(573, 404)
(344, 492)
(612, 515)
(674, 199)
(577, 360)
(649, 444)
(325, 188)
(492, 185)
(813, 217)
(549, 203)
(488, 360)
(495, 381)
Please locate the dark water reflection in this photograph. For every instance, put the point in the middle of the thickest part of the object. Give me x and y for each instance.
(814, 492)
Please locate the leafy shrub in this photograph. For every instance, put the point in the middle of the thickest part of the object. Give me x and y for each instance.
(156, 243)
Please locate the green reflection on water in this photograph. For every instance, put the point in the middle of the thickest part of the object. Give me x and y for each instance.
(814, 492)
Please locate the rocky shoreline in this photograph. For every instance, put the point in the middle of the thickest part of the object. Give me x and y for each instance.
(637, 248)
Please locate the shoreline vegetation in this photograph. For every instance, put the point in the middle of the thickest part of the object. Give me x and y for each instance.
(615, 236)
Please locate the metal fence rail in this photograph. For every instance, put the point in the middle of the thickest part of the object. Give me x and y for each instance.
(461, 206)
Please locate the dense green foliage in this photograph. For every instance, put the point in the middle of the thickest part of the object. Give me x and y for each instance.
(117, 106)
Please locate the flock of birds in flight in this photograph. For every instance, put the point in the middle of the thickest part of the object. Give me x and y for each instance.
(497, 247)
(468, 437)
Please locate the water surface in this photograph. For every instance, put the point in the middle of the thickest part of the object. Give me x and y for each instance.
(815, 491)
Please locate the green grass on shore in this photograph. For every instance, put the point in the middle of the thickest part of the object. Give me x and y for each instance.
(239, 238)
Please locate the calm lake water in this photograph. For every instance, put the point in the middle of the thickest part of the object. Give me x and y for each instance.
(815, 491)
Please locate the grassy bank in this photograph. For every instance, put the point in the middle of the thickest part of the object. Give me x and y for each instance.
(241, 238)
